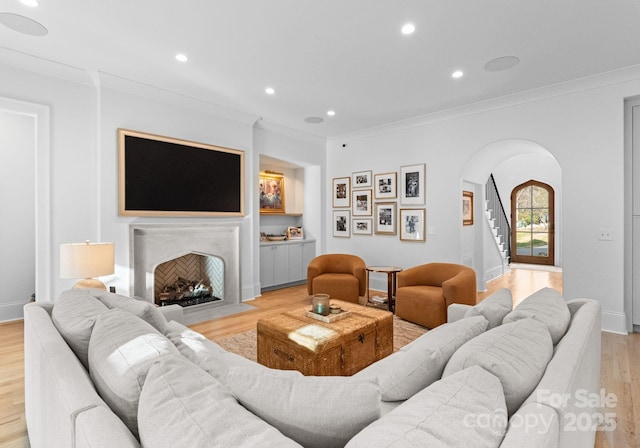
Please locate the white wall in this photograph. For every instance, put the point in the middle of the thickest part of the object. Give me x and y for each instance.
(580, 123)
(17, 212)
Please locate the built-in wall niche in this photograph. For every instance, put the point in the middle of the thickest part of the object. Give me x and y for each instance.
(292, 184)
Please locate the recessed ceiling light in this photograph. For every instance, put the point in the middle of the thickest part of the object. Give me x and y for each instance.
(457, 74)
(502, 63)
(331, 113)
(269, 90)
(22, 24)
(30, 3)
(408, 28)
(181, 57)
(314, 120)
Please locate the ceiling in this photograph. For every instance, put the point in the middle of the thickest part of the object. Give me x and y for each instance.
(348, 55)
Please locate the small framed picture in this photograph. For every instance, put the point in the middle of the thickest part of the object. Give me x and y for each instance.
(361, 179)
(467, 208)
(384, 185)
(295, 233)
(385, 218)
(412, 224)
(271, 191)
(362, 203)
(412, 184)
(341, 223)
(362, 226)
(341, 192)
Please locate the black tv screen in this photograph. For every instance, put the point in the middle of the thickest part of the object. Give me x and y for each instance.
(163, 176)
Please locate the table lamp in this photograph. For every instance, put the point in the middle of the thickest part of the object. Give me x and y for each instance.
(87, 260)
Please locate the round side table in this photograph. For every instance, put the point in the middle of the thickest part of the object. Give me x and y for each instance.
(391, 272)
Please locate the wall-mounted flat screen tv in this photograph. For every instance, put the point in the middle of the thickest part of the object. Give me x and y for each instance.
(164, 176)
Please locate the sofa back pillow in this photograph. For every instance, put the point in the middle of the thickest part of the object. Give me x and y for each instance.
(146, 311)
(121, 351)
(517, 353)
(74, 315)
(494, 307)
(466, 409)
(421, 362)
(315, 411)
(548, 307)
(183, 406)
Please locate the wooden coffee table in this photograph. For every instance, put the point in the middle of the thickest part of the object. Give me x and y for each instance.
(294, 341)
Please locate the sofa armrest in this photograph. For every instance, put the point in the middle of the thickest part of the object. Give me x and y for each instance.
(456, 311)
(98, 427)
(172, 312)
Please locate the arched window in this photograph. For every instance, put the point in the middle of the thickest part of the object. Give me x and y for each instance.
(532, 223)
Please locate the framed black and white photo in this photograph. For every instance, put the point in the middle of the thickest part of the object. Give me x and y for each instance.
(361, 179)
(341, 192)
(412, 224)
(467, 208)
(362, 226)
(385, 218)
(412, 184)
(384, 185)
(342, 223)
(362, 203)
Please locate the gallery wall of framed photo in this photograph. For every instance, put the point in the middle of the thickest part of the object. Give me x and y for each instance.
(386, 203)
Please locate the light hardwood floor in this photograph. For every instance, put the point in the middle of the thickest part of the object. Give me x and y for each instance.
(620, 358)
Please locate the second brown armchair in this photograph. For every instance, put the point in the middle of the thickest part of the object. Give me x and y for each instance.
(342, 276)
(425, 292)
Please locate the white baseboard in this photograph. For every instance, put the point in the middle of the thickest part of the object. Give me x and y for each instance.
(614, 322)
(12, 311)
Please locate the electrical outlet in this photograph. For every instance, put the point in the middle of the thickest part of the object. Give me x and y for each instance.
(605, 234)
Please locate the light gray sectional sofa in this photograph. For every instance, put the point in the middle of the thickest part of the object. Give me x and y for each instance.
(103, 370)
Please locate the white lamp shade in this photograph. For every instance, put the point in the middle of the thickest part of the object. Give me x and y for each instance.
(86, 260)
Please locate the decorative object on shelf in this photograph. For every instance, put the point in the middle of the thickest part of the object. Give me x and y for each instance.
(412, 224)
(412, 184)
(362, 226)
(385, 218)
(295, 233)
(271, 191)
(263, 237)
(87, 260)
(341, 223)
(362, 203)
(341, 192)
(320, 304)
(203, 180)
(361, 179)
(384, 185)
(276, 237)
(467, 208)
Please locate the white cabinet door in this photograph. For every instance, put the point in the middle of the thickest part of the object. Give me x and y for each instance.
(266, 266)
(274, 265)
(300, 254)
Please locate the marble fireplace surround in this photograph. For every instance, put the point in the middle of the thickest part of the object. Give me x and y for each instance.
(152, 244)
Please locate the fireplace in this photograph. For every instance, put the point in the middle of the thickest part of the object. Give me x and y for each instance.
(213, 247)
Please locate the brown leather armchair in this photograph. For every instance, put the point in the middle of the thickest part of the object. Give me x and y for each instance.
(342, 276)
(425, 292)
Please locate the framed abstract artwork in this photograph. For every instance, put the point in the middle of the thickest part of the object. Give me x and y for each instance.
(412, 184)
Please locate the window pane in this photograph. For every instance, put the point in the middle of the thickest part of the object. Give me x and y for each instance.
(540, 244)
(540, 197)
(523, 243)
(523, 198)
(539, 219)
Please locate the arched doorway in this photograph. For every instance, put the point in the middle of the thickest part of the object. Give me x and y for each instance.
(532, 223)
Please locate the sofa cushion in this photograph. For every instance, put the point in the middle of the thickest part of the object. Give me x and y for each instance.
(74, 315)
(146, 311)
(494, 307)
(183, 406)
(546, 306)
(466, 409)
(207, 354)
(517, 353)
(421, 362)
(315, 411)
(121, 351)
